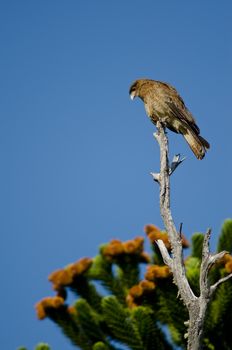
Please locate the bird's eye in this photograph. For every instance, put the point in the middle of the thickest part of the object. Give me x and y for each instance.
(132, 89)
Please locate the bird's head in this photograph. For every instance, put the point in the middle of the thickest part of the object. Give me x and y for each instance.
(134, 89)
(137, 88)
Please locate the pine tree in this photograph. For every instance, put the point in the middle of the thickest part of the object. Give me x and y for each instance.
(135, 310)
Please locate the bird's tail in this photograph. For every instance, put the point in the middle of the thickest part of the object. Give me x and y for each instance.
(197, 143)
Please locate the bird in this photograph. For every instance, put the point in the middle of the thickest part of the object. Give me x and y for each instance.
(163, 103)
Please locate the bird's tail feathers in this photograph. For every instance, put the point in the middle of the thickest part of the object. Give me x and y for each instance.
(196, 142)
(204, 142)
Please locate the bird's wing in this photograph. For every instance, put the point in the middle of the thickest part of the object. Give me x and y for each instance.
(176, 105)
(183, 114)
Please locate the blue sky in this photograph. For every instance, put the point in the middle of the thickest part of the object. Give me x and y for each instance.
(76, 152)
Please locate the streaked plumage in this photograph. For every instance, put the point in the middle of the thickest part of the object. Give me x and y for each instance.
(162, 102)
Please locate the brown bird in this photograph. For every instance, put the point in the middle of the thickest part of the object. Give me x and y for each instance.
(162, 102)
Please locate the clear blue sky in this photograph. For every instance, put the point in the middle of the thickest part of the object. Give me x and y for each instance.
(76, 153)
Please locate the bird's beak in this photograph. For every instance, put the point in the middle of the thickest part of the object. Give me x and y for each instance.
(132, 95)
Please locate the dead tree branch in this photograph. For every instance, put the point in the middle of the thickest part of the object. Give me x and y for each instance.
(196, 306)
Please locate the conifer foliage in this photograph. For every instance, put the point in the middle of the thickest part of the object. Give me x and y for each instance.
(137, 308)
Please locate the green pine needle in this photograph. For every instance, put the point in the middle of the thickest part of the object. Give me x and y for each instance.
(225, 239)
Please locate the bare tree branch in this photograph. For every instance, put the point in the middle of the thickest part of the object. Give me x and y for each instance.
(164, 253)
(214, 286)
(196, 306)
(177, 160)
